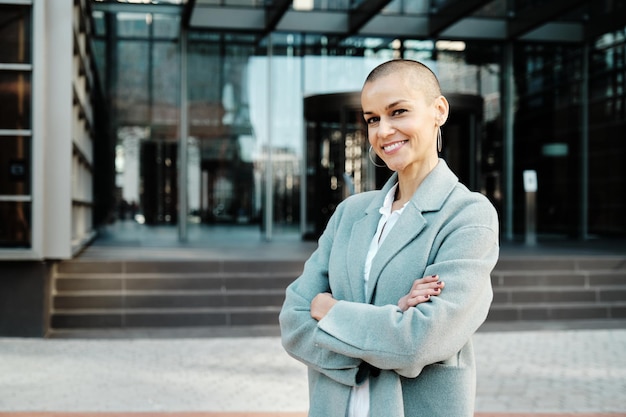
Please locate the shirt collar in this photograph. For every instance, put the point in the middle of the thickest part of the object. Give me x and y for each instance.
(385, 210)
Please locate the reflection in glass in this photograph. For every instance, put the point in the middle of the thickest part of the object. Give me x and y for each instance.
(15, 40)
(15, 227)
(15, 100)
(133, 25)
(223, 146)
(165, 92)
(15, 155)
(166, 26)
(245, 110)
(132, 89)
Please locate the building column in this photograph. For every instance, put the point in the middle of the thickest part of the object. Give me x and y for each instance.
(268, 209)
(182, 142)
(508, 83)
(584, 147)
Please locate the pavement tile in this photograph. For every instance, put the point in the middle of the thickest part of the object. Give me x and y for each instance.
(531, 373)
(274, 414)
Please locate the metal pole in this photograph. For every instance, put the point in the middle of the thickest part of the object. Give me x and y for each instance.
(473, 154)
(530, 189)
(531, 218)
(304, 163)
(509, 95)
(269, 169)
(182, 143)
(584, 147)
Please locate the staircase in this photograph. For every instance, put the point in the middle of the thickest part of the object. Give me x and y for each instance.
(126, 294)
(149, 294)
(559, 288)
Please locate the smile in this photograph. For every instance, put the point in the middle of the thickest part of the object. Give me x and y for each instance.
(393, 146)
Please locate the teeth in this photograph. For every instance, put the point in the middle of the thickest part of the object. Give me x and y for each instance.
(393, 146)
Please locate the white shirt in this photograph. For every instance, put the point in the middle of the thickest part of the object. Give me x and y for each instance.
(359, 405)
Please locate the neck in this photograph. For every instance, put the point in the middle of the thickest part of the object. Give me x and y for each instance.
(410, 180)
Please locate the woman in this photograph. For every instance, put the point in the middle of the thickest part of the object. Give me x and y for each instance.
(378, 340)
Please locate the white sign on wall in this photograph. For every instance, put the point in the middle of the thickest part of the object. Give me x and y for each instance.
(530, 181)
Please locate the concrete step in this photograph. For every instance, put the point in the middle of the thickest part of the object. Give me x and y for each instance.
(130, 267)
(114, 294)
(162, 318)
(166, 300)
(562, 263)
(559, 288)
(129, 294)
(553, 311)
(173, 282)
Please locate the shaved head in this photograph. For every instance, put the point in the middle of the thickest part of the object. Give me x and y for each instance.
(415, 74)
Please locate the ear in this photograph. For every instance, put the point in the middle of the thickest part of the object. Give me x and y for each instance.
(442, 110)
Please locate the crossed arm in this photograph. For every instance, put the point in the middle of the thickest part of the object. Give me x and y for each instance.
(334, 336)
(420, 292)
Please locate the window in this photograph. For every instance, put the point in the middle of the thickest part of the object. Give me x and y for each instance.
(15, 126)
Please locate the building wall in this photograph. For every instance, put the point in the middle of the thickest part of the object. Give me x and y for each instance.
(24, 298)
(46, 142)
(570, 120)
(47, 130)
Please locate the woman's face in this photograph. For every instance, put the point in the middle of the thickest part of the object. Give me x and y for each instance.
(401, 122)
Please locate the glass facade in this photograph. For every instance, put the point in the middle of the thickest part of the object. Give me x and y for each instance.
(253, 158)
(556, 95)
(247, 132)
(15, 126)
(548, 132)
(607, 130)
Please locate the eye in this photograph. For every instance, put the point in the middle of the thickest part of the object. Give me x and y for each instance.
(398, 112)
(372, 120)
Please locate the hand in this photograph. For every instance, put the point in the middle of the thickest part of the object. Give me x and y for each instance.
(421, 291)
(321, 305)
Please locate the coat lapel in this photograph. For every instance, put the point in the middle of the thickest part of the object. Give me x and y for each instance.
(430, 196)
(409, 225)
(362, 232)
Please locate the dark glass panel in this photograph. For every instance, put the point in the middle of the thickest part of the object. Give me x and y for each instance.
(165, 84)
(15, 100)
(159, 192)
(132, 90)
(15, 227)
(15, 153)
(607, 128)
(15, 39)
(133, 25)
(166, 26)
(99, 25)
(547, 134)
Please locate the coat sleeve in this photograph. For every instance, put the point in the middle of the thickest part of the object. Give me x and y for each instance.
(465, 252)
(299, 331)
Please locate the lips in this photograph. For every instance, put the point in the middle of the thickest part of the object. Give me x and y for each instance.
(393, 146)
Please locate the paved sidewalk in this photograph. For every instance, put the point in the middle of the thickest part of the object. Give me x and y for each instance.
(528, 372)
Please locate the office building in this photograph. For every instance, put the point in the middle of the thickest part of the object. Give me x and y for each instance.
(244, 113)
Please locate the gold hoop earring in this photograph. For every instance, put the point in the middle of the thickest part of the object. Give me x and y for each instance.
(439, 140)
(369, 153)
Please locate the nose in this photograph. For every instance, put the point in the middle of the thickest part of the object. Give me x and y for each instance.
(385, 128)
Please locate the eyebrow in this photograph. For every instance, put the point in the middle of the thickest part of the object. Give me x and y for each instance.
(389, 106)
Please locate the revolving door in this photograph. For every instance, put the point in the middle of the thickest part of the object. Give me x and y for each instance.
(337, 161)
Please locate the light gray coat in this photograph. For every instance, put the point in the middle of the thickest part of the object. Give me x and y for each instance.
(425, 354)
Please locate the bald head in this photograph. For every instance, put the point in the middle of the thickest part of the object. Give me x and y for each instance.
(415, 74)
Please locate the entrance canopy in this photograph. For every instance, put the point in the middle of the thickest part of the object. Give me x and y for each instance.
(545, 21)
(500, 20)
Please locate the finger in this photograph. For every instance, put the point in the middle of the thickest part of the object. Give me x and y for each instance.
(413, 301)
(425, 280)
(433, 289)
(429, 286)
(438, 287)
